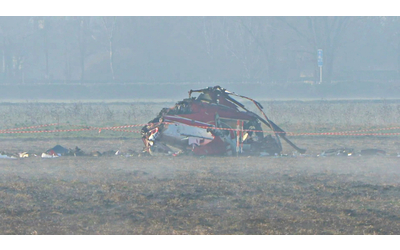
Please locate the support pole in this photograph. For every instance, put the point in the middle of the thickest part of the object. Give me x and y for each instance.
(241, 145)
(320, 74)
(237, 137)
(320, 60)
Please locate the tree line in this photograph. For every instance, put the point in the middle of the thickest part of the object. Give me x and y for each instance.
(194, 49)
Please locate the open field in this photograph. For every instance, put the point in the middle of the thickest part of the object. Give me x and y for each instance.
(206, 195)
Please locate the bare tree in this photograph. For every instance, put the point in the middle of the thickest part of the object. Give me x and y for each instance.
(84, 23)
(319, 33)
(109, 27)
(44, 26)
(260, 33)
(14, 33)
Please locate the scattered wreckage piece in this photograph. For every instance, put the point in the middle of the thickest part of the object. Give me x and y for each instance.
(46, 156)
(338, 152)
(24, 154)
(5, 155)
(212, 123)
(55, 152)
(59, 150)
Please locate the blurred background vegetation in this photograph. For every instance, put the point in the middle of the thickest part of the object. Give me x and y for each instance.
(198, 49)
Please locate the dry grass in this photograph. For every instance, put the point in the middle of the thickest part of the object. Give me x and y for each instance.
(294, 116)
(188, 195)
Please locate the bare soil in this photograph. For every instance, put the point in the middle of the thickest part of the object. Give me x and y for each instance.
(200, 195)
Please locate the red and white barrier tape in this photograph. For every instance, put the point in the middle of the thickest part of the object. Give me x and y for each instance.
(38, 126)
(44, 131)
(345, 134)
(121, 129)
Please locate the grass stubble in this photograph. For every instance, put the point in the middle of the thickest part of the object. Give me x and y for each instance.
(192, 195)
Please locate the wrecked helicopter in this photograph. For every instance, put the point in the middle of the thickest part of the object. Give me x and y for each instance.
(213, 123)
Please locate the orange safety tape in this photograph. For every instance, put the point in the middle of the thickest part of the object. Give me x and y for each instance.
(116, 128)
(120, 128)
(366, 130)
(44, 131)
(38, 126)
(344, 134)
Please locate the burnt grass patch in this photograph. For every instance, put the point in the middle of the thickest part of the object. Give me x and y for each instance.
(191, 195)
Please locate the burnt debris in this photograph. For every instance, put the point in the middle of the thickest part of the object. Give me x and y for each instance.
(213, 123)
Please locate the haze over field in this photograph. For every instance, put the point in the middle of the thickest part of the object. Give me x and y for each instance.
(71, 81)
